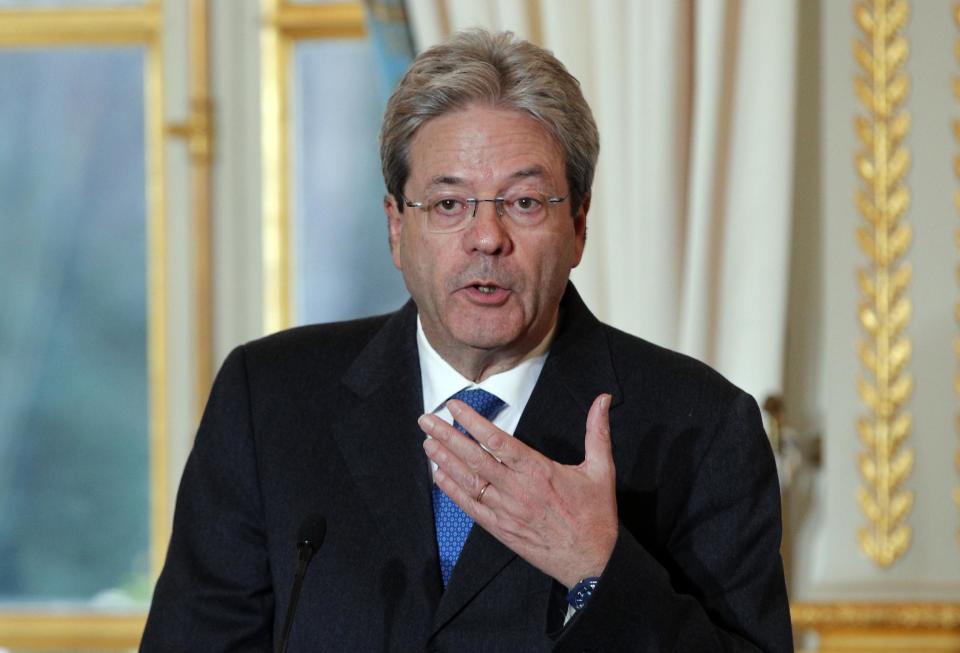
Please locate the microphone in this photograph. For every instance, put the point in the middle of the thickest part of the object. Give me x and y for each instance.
(309, 538)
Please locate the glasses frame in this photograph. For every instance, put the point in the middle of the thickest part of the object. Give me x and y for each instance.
(498, 202)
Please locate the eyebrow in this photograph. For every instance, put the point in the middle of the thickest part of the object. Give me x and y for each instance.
(532, 171)
(445, 180)
(523, 173)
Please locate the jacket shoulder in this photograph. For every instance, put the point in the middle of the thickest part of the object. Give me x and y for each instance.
(306, 351)
(666, 375)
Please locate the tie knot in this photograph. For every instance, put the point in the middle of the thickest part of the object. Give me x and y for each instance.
(483, 402)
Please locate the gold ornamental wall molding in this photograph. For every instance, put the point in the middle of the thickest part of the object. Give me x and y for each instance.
(883, 236)
(877, 627)
(815, 616)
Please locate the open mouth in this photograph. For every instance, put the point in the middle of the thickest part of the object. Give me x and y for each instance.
(488, 294)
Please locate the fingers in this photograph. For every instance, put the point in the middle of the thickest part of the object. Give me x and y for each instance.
(466, 499)
(598, 451)
(460, 456)
(451, 467)
(508, 450)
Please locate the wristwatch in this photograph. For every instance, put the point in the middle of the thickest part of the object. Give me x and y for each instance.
(580, 593)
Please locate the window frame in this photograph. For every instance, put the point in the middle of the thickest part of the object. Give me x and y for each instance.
(284, 25)
(140, 25)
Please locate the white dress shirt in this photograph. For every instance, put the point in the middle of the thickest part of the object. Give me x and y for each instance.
(513, 387)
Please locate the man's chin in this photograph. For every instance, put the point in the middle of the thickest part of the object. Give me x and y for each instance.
(486, 335)
(486, 342)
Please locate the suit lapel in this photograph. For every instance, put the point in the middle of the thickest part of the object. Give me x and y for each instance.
(578, 369)
(382, 445)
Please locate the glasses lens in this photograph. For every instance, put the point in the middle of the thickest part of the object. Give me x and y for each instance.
(447, 213)
(527, 208)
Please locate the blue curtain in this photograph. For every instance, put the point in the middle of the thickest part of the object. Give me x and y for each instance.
(392, 42)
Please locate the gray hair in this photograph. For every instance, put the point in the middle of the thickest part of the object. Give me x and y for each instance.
(505, 72)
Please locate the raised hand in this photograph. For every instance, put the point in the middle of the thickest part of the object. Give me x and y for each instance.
(562, 519)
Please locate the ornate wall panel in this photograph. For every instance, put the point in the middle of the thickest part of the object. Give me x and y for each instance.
(877, 314)
(885, 310)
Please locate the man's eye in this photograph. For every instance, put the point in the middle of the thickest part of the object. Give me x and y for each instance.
(449, 205)
(527, 204)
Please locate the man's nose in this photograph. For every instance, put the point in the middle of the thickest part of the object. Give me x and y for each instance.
(487, 232)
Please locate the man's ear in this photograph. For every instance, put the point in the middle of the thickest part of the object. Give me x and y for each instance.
(394, 226)
(580, 229)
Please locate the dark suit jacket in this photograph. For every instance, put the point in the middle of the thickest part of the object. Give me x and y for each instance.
(322, 420)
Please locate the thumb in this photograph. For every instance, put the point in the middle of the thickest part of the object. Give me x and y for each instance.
(598, 451)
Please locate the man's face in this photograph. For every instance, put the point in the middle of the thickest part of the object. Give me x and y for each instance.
(490, 291)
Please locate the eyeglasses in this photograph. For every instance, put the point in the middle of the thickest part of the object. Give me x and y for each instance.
(446, 213)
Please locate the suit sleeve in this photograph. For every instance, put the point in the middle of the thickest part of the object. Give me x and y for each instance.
(215, 591)
(724, 589)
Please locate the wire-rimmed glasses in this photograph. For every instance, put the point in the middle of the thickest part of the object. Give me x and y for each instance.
(446, 212)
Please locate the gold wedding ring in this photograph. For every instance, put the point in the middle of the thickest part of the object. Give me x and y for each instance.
(482, 490)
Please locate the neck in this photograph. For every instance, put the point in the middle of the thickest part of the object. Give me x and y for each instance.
(479, 364)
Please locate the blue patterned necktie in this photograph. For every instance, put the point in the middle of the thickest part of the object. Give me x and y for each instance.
(453, 525)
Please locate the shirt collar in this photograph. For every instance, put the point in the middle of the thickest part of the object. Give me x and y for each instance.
(441, 381)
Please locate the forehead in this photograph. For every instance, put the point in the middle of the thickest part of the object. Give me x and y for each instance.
(484, 146)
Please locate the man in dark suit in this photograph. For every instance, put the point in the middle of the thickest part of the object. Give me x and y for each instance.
(612, 495)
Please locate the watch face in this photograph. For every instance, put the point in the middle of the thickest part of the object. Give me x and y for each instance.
(581, 598)
(582, 592)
